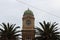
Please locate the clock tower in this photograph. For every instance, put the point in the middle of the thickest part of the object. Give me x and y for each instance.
(28, 32)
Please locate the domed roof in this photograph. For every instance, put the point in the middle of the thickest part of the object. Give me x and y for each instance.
(28, 12)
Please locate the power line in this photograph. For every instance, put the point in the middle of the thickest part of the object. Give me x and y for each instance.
(38, 9)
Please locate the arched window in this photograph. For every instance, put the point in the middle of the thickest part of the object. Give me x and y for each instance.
(28, 38)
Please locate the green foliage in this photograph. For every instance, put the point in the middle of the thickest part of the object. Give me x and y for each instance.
(9, 32)
(48, 32)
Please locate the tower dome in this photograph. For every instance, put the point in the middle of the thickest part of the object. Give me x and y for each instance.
(28, 12)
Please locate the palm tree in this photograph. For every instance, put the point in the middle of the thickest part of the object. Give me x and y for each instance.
(9, 32)
(48, 32)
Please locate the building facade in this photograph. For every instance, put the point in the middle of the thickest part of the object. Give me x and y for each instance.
(28, 32)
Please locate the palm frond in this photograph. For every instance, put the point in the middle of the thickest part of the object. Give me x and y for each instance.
(5, 26)
(53, 25)
(15, 28)
(1, 30)
(17, 34)
(41, 25)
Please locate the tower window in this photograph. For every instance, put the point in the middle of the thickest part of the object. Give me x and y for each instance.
(28, 38)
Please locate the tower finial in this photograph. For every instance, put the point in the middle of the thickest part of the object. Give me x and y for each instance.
(28, 8)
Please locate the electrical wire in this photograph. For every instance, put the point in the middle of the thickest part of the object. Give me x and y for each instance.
(38, 9)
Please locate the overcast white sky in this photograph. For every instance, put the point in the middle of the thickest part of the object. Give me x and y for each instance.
(13, 10)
